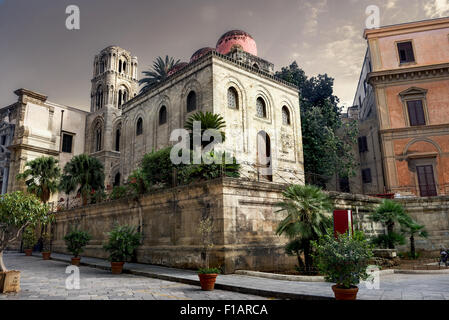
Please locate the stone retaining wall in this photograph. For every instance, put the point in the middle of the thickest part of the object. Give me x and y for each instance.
(245, 221)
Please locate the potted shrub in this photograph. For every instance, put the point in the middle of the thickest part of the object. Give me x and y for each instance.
(76, 240)
(343, 261)
(46, 244)
(29, 240)
(17, 212)
(208, 276)
(123, 240)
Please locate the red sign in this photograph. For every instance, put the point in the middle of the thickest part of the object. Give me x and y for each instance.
(343, 222)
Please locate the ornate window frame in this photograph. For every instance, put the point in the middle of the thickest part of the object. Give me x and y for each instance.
(413, 94)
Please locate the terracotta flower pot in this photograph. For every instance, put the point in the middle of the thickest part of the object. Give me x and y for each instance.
(345, 294)
(117, 267)
(28, 252)
(208, 281)
(46, 255)
(76, 261)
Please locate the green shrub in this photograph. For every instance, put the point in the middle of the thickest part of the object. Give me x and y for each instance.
(344, 260)
(138, 183)
(76, 241)
(209, 271)
(46, 241)
(123, 240)
(119, 193)
(157, 167)
(203, 172)
(384, 241)
(29, 238)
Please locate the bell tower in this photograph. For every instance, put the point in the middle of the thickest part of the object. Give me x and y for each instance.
(114, 82)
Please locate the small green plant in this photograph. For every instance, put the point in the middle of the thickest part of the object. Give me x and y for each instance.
(205, 229)
(123, 241)
(385, 241)
(29, 238)
(46, 241)
(209, 271)
(137, 184)
(118, 192)
(76, 240)
(344, 260)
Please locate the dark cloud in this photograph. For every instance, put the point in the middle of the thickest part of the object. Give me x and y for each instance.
(39, 53)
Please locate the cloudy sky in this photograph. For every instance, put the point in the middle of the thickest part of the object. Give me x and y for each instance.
(324, 36)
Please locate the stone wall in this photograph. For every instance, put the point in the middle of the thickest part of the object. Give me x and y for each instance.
(244, 215)
(433, 213)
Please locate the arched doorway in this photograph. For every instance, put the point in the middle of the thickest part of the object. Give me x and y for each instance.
(264, 160)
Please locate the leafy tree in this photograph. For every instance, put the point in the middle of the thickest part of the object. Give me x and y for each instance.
(41, 177)
(83, 174)
(209, 121)
(308, 216)
(389, 213)
(413, 229)
(327, 141)
(158, 73)
(17, 212)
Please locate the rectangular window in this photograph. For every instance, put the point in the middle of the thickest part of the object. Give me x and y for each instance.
(344, 185)
(360, 102)
(405, 50)
(366, 176)
(3, 140)
(416, 113)
(363, 144)
(426, 180)
(67, 143)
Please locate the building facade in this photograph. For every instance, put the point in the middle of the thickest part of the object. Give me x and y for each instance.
(263, 125)
(403, 110)
(34, 127)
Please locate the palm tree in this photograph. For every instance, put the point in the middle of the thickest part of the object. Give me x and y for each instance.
(389, 213)
(158, 73)
(209, 121)
(41, 177)
(413, 229)
(308, 218)
(85, 173)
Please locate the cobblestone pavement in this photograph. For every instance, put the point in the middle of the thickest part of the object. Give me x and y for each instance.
(46, 280)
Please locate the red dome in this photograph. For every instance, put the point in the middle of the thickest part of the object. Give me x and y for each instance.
(201, 52)
(176, 68)
(239, 39)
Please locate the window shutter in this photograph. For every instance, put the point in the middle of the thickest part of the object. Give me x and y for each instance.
(416, 113)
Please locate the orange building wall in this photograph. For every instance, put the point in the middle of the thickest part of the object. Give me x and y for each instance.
(431, 47)
(437, 102)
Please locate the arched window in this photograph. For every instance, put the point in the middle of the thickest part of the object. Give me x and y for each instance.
(98, 138)
(233, 98)
(99, 103)
(163, 116)
(255, 66)
(117, 179)
(261, 108)
(285, 116)
(139, 127)
(124, 66)
(122, 97)
(120, 66)
(118, 134)
(191, 101)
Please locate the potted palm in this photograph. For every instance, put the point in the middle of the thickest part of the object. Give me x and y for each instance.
(76, 240)
(122, 242)
(208, 276)
(343, 261)
(29, 240)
